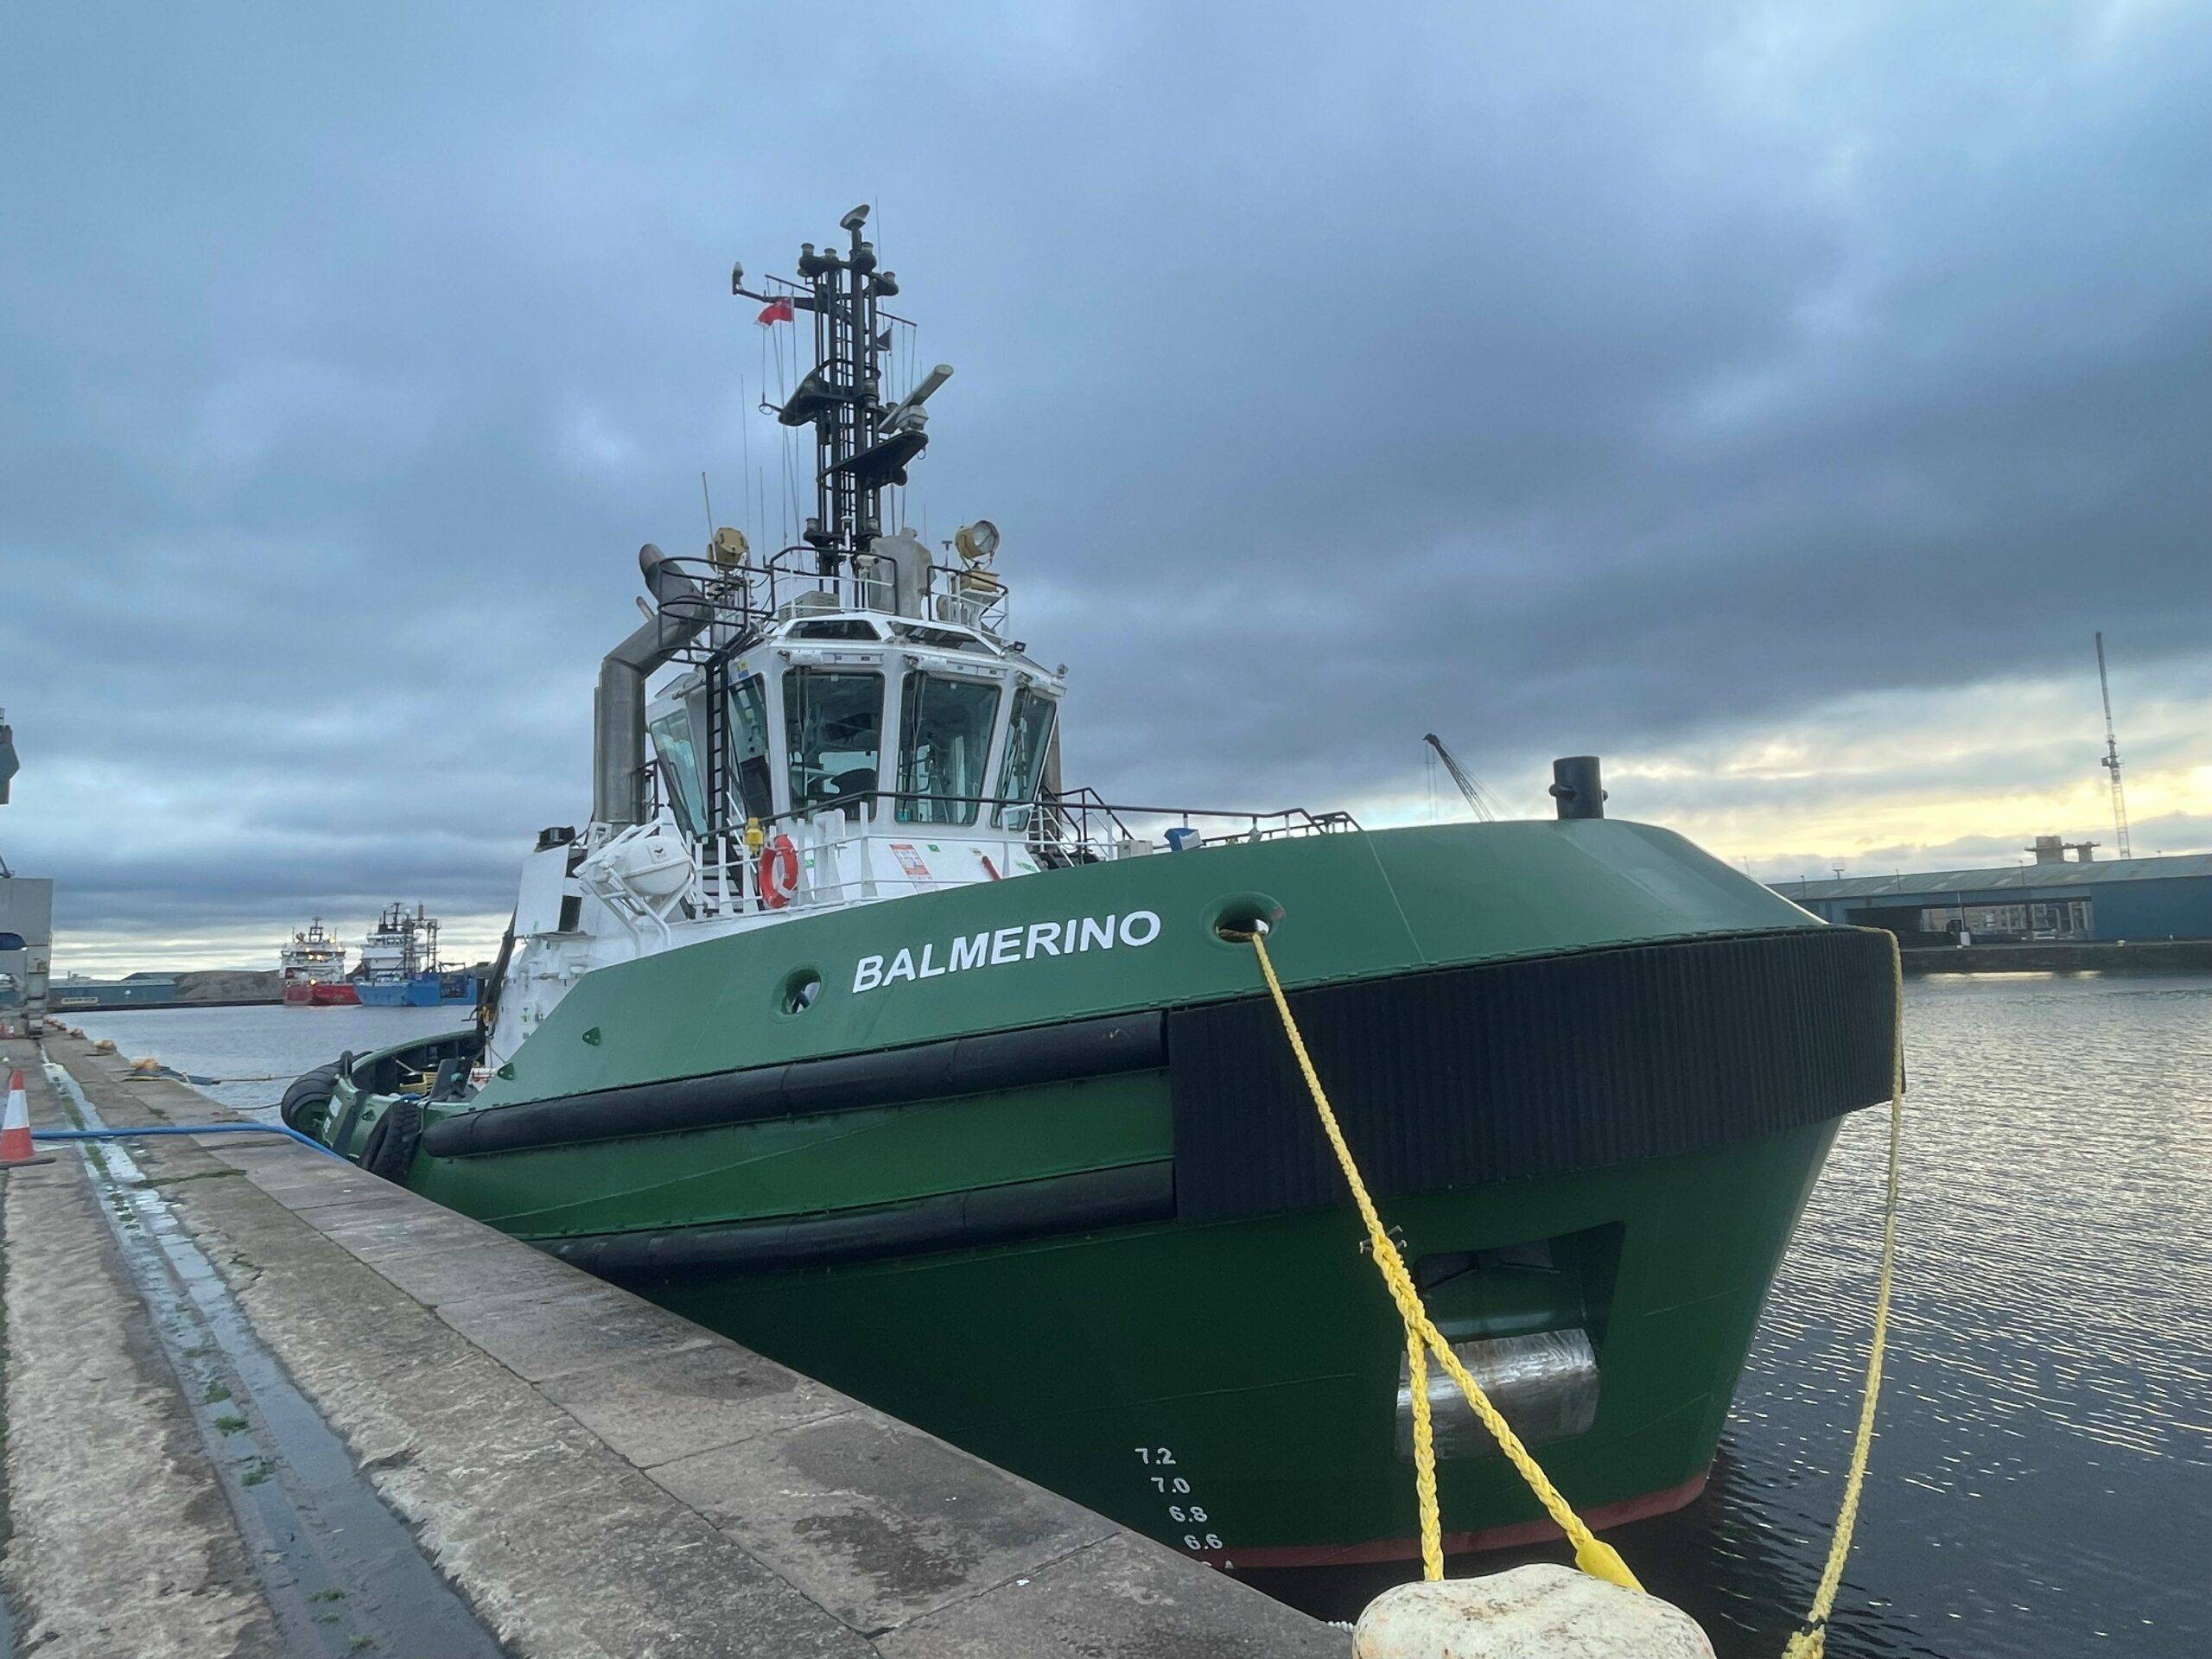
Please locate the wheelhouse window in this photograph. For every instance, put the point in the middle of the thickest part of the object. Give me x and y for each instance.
(836, 628)
(944, 742)
(749, 739)
(1028, 735)
(679, 769)
(833, 726)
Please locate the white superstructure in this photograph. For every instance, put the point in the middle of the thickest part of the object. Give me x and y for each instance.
(845, 721)
(311, 956)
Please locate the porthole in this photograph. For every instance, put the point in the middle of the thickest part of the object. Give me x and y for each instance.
(800, 988)
(1238, 918)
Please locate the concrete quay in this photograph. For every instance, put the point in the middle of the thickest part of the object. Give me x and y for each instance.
(2086, 956)
(258, 1402)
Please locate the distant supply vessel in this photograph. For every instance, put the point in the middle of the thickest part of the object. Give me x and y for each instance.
(398, 965)
(311, 967)
(845, 1028)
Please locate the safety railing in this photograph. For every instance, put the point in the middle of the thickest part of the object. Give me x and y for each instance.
(821, 854)
(739, 599)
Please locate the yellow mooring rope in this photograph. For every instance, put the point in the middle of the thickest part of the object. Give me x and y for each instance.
(1592, 1553)
(1811, 1640)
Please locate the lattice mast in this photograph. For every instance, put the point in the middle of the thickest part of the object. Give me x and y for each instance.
(862, 446)
(2111, 762)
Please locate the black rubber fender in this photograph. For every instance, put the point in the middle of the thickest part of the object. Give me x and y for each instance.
(309, 1088)
(391, 1143)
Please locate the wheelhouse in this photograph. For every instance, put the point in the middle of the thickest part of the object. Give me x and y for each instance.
(859, 723)
(846, 719)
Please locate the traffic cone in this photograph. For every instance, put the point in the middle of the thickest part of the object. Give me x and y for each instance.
(15, 1148)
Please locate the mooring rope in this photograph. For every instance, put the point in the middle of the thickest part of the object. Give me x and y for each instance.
(1812, 1637)
(1592, 1553)
(140, 1072)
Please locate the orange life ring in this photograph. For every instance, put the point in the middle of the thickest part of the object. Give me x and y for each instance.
(776, 875)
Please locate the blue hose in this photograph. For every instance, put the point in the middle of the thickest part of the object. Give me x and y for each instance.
(189, 1128)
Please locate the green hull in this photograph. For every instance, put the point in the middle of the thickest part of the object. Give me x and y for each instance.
(1263, 1356)
(1223, 1374)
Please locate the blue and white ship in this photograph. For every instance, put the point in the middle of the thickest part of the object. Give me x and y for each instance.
(399, 969)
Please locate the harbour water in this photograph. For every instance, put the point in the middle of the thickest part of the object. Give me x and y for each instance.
(2042, 1483)
(265, 1040)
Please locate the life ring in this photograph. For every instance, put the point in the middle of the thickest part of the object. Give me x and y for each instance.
(777, 874)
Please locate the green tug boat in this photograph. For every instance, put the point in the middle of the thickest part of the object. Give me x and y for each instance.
(845, 1029)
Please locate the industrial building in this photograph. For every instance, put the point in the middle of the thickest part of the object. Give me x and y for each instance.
(72, 992)
(2049, 898)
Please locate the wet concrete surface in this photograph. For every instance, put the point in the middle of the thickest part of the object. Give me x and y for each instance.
(121, 1540)
(341, 1573)
(595, 1476)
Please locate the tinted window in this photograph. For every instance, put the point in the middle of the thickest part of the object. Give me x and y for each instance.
(1027, 736)
(842, 628)
(944, 738)
(679, 769)
(748, 739)
(832, 725)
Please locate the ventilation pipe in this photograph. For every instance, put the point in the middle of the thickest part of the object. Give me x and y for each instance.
(618, 746)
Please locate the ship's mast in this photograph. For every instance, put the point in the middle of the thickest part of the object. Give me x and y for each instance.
(861, 445)
(2112, 757)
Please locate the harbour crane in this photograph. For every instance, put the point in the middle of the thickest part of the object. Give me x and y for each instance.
(2110, 761)
(1476, 797)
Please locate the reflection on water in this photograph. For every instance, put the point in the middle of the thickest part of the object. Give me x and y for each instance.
(2043, 1481)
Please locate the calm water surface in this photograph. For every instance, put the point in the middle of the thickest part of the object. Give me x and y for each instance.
(2042, 1483)
(252, 1042)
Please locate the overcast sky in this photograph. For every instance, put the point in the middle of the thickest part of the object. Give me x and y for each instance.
(1770, 398)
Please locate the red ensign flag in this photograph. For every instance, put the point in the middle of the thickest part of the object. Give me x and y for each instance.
(776, 311)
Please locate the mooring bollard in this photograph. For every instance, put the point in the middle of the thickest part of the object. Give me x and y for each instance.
(1543, 1612)
(1578, 787)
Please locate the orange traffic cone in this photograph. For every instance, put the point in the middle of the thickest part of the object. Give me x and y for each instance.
(16, 1148)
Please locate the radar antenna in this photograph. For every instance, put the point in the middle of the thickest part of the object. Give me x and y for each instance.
(862, 446)
(1476, 797)
(2110, 761)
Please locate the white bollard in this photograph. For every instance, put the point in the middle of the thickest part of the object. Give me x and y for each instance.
(1544, 1612)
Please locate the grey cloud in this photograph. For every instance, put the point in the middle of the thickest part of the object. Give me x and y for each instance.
(1561, 379)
